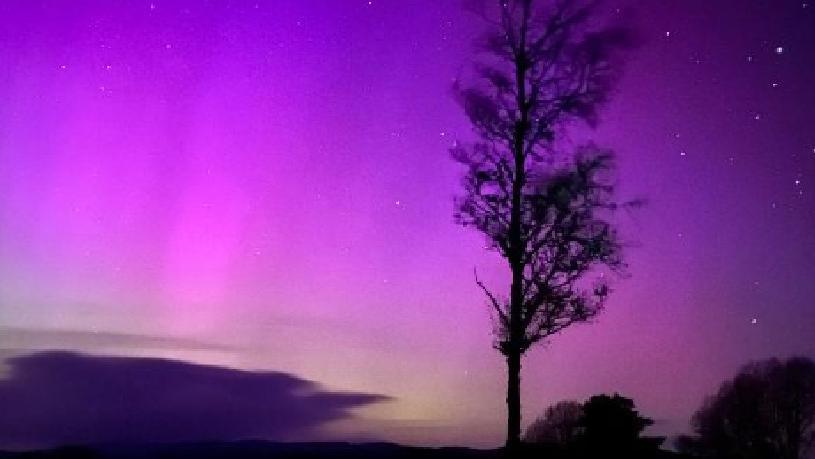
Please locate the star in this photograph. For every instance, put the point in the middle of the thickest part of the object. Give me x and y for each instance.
(779, 50)
(754, 321)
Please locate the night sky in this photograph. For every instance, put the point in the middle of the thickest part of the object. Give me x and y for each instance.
(267, 186)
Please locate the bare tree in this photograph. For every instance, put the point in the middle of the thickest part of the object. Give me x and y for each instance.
(766, 411)
(544, 66)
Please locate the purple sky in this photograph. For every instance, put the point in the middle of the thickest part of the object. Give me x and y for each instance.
(266, 186)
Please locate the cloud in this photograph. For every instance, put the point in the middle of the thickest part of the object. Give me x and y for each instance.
(29, 338)
(55, 398)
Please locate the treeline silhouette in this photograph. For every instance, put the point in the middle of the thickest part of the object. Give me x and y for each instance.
(601, 426)
(767, 411)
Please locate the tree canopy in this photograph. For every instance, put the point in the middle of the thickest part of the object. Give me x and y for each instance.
(766, 411)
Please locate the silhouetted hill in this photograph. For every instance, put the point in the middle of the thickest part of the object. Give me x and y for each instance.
(271, 450)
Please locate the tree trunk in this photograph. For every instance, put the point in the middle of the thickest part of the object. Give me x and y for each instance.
(513, 400)
(517, 244)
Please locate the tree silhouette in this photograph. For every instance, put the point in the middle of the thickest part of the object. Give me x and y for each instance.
(611, 425)
(766, 411)
(560, 424)
(544, 67)
(603, 426)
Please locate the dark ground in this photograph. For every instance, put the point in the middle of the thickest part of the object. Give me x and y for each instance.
(261, 449)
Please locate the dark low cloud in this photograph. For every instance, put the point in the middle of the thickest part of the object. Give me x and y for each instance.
(55, 398)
